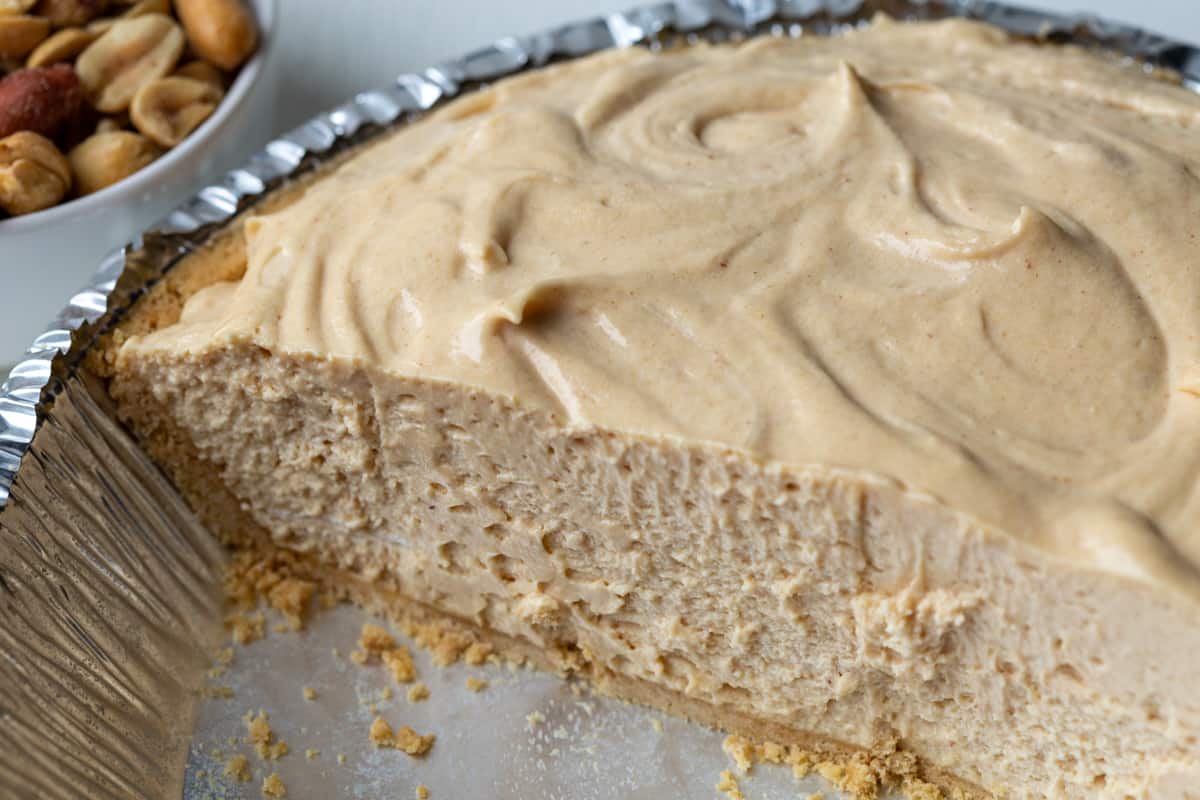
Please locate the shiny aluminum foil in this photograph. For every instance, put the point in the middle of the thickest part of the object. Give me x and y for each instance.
(108, 585)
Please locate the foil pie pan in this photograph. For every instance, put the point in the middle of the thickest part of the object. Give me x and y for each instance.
(109, 587)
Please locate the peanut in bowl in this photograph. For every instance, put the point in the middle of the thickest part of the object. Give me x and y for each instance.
(96, 91)
(78, 178)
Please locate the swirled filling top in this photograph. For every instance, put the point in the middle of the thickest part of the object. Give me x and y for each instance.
(924, 252)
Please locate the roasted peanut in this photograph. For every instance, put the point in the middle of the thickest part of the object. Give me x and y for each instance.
(108, 125)
(202, 71)
(41, 100)
(168, 109)
(8, 7)
(33, 173)
(99, 27)
(102, 159)
(19, 34)
(145, 7)
(70, 13)
(131, 54)
(62, 45)
(220, 31)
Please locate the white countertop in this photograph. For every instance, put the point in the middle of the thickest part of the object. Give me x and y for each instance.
(323, 52)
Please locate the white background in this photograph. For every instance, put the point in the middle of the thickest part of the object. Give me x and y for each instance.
(325, 51)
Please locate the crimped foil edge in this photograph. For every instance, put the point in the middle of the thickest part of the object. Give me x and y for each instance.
(27, 396)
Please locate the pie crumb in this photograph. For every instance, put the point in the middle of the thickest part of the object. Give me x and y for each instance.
(446, 644)
(387, 693)
(309, 693)
(729, 785)
(263, 738)
(534, 719)
(418, 692)
(477, 653)
(247, 628)
(238, 768)
(341, 758)
(381, 734)
(860, 775)
(851, 777)
(405, 739)
(656, 723)
(290, 597)
(412, 742)
(273, 786)
(374, 639)
(399, 661)
(311, 754)
(358, 657)
(741, 751)
(476, 684)
(422, 792)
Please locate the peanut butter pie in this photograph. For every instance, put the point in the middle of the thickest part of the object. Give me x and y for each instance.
(842, 392)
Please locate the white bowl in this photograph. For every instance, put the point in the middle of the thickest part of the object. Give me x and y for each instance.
(45, 257)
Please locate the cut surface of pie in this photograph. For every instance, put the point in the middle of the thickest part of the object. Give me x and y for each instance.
(841, 390)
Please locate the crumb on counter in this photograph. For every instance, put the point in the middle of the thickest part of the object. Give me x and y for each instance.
(374, 639)
(741, 751)
(476, 684)
(399, 662)
(263, 738)
(852, 777)
(422, 792)
(247, 628)
(238, 768)
(311, 754)
(861, 775)
(309, 693)
(477, 653)
(406, 739)
(534, 718)
(418, 692)
(381, 734)
(445, 644)
(413, 743)
(729, 785)
(273, 786)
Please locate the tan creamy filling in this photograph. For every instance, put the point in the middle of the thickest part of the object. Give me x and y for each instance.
(918, 251)
(804, 597)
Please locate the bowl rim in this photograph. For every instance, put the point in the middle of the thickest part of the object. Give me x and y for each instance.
(235, 97)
